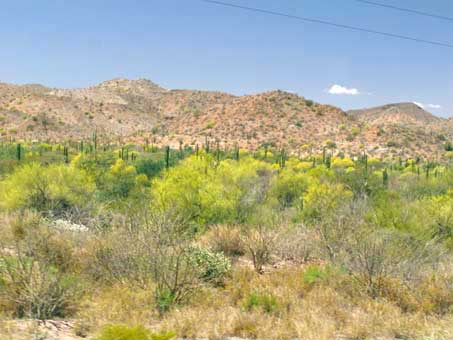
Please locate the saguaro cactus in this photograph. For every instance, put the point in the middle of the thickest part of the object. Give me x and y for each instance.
(18, 152)
(385, 177)
(167, 157)
(66, 154)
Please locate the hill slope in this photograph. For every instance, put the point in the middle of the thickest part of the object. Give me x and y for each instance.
(138, 109)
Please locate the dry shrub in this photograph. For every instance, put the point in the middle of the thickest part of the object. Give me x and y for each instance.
(224, 239)
(260, 243)
(36, 270)
(294, 243)
(121, 303)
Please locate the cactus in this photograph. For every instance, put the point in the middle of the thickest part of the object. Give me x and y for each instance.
(282, 158)
(365, 162)
(329, 161)
(66, 154)
(218, 152)
(18, 152)
(181, 153)
(206, 144)
(385, 177)
(95, 140)
(167, 157)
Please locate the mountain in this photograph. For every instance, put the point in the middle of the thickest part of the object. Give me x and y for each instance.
(135, 110)
(407, 126)
(401, 113)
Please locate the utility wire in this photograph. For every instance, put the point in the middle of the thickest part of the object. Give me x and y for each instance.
(408, 10)
(328, 23)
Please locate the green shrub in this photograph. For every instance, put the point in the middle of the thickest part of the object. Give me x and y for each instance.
(213, 267)
(315, 274)
(164, 299)
(122, 332)
(264, 302)
(55, 188)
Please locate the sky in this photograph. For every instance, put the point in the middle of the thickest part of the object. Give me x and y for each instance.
(196, 45)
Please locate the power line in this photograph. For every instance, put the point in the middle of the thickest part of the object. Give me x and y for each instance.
(328, 23)
(408, 10)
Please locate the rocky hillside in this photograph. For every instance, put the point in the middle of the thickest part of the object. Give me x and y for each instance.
(406, 126)
(135, 110)
(402, 114)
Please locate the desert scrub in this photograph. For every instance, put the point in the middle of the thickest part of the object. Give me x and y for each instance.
(36, 276)
(122, 332)
(55, 188)
(212, 267)
(224, 239)
(267, 303)
(34, 290)
(316, 274)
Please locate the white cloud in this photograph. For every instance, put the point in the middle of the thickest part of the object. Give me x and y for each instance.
(342, 90)
(429, 106)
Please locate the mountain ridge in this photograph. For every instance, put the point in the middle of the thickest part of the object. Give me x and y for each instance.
(135, 110)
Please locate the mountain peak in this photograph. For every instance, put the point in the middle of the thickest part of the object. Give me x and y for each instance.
(131, 85)
(405, 113)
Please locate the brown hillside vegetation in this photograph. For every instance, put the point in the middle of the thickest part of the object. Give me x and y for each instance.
(135, 110)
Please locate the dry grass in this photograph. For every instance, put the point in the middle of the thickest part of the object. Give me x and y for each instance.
(323, 310)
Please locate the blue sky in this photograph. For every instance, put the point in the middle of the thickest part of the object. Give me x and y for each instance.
(192, 44)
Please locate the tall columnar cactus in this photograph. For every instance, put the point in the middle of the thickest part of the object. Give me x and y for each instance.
(66, 154)
(95, 144)
(385, 177)
(197, 150)
(324, 155)
(207, 146)
(365, 161)
(329, 161)
(181, 153)
(282, 158)
(95, 140)
(19, 152)
(167, 157)
(122, 153)
(236, 153)
(218, 151)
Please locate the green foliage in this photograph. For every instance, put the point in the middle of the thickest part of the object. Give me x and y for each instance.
(165, 299)
(151, 168)
(207, 193)
(288, 188)
(122, 332)
(261, 301)
(316, 274)
(213, 267)
(322, 199)
(55, 188)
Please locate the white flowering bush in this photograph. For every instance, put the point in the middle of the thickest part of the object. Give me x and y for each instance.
(212, 267)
